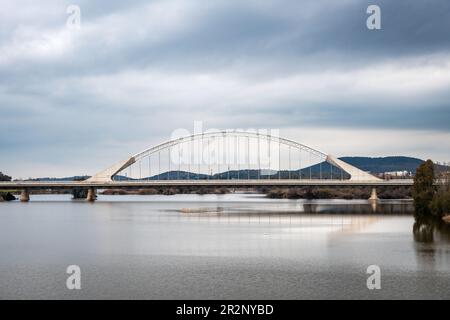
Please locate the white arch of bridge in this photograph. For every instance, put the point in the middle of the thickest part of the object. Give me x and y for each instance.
(354, 173)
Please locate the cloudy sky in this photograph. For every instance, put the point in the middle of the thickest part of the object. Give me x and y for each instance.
(73, 101)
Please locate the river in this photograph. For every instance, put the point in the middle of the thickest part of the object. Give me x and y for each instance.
(234, 246)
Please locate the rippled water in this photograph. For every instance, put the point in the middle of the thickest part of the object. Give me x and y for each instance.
(218, 247)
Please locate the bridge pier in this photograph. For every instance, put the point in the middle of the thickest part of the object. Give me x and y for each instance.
(91, 195)
(374, 200)
(374, 196)
(24, 195)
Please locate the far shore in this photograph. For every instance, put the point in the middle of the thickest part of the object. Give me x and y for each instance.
(276, 193)
(347, 193)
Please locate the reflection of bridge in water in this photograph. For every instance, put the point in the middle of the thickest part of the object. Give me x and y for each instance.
(237, 159)
(322, 207)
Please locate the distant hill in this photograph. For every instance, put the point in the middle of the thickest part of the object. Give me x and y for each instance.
(384, 164)
(74, 178)
(373, 165)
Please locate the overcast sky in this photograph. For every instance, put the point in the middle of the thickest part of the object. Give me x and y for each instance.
(73, 101)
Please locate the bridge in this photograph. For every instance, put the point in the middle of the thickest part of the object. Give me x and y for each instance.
(220, 159)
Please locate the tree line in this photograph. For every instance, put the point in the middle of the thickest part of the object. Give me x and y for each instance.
(4, 177)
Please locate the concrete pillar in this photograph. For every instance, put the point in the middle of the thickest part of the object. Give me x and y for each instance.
(91, 195)
(374, 200)
(24, 196)
(374, 195)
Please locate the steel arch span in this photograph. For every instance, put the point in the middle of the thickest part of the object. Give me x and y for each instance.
(247, 155)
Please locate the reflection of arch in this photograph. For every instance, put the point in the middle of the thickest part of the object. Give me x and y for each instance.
(355, 173)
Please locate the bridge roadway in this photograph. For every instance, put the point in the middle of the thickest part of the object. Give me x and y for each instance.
(55, 185)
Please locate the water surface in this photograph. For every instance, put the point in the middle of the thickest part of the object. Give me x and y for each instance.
(235, 246)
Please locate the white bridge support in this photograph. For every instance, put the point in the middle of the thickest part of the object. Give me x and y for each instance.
(107, 174)
(374, 195)
(356, 175)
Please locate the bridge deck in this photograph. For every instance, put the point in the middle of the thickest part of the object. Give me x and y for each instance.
(187, 183)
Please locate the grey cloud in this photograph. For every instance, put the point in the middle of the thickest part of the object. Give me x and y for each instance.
(284, 36)
(83, 98)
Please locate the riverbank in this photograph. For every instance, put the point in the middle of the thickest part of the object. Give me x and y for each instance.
(168, 191)
(337, 193)
(348, 193)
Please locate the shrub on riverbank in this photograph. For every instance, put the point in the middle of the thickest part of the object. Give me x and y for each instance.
(440, 205)
(79, 193)
(424, 189)
(7, 196)
(429, 200)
